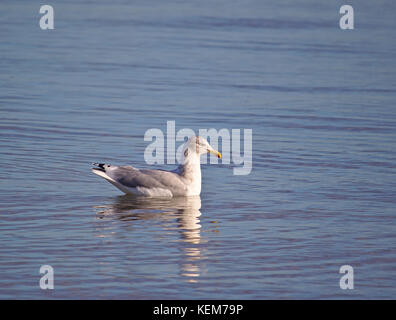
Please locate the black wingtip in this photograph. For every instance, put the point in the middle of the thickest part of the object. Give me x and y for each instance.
(100, 165)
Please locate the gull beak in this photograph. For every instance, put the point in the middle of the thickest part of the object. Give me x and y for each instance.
(216, 153)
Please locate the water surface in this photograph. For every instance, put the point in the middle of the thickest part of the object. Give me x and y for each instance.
(321, 194)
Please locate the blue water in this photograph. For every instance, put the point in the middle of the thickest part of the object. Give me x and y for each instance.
(320, 102)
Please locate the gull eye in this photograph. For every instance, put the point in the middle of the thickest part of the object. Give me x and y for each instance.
(186, 153)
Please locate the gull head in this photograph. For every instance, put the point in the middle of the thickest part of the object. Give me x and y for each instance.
(198, 145)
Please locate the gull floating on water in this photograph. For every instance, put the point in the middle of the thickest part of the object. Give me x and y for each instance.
(183, 181)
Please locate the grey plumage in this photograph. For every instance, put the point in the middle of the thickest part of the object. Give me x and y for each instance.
(184, 181)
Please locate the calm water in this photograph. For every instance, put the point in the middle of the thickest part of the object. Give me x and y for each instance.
(320, 101)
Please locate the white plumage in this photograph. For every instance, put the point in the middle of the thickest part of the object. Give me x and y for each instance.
(184, 181)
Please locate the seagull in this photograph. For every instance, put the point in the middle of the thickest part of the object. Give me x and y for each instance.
(183, 181)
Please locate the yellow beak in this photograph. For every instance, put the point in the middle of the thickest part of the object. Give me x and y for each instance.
(216, 153)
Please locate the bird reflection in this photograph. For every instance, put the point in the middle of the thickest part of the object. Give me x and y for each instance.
(182, 212)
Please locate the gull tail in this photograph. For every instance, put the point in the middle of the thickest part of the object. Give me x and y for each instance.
(103, 170)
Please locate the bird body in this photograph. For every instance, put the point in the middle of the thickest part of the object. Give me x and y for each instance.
(183, 181)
